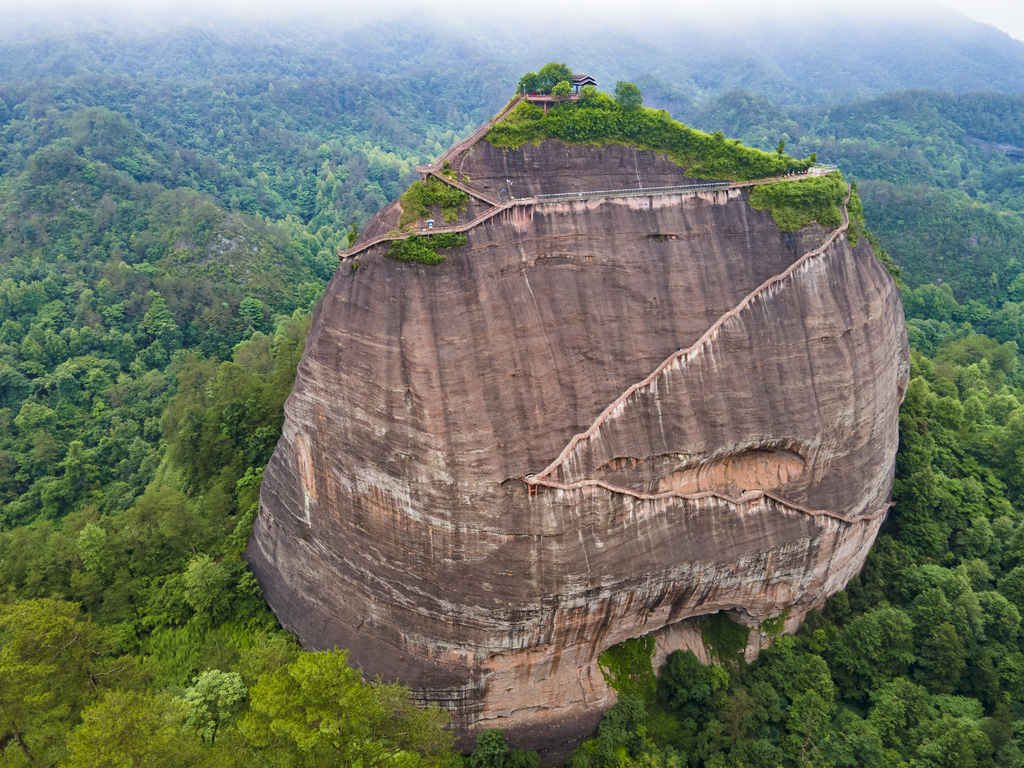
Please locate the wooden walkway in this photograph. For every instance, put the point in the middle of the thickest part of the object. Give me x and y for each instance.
(462, 187)
(497, 207)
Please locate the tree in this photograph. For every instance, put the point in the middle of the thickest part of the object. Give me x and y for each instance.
(1016, 288)
(621, 734)
(207, 587)
(136, 730)
(529, 83)
(1011, 586)
(781, 149)
(551, 74)
(588, 95)
(318, 711)
(628, 97)
(687, 686)
(92, 548)
(562, 90)
(490, 750)
(251, 311)
(51, 663)
(853, 742)
(158, 322)
(214, 698)
(954, 742)
(941, 659)
(872, 649)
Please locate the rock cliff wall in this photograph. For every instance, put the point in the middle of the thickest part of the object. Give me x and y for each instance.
(756, 465)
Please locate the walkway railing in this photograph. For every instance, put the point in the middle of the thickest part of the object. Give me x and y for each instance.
(489, 213)
(642, 191)
(682, 189)
(464, 188)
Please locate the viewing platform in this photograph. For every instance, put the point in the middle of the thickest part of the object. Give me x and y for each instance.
(578, 82)
(547, 98)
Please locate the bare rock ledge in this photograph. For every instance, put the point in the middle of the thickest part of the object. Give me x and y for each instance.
(749, 472)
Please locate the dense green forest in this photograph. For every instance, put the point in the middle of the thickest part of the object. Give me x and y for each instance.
(163, 243)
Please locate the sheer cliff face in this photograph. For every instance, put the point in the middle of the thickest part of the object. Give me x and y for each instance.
(749, 474)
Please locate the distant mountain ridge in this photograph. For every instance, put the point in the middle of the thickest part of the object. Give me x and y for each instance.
(807, 61)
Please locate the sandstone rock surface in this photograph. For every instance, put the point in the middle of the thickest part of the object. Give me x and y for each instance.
(749, 473)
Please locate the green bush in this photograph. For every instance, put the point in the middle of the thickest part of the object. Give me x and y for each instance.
(421, 196)
(725, 639)
(794, 204)
(421, 247)
(628, 670)
(599, 120)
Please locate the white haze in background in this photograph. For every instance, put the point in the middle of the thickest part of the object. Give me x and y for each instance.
(543, 15)
(1004, 15)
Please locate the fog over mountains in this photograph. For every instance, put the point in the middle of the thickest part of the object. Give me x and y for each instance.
(794, 60)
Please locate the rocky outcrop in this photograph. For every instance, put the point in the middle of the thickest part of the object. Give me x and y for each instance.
(705, 409)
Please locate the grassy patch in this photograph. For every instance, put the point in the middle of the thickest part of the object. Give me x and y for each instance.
(703, 155)
(774, 627)
(628, 670)
(794, 204)
(421, 247)
(723, 638)
(421, 196)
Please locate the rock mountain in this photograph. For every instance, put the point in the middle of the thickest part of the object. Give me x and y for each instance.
(599, 418)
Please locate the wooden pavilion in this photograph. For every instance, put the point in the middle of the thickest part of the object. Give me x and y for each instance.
(578, 81)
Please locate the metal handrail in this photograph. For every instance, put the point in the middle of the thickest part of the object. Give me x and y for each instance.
(639, 191)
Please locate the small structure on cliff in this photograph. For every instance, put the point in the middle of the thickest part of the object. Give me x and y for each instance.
(580, 81)
(703, 409)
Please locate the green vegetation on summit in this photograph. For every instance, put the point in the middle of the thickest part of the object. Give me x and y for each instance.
(596, 118)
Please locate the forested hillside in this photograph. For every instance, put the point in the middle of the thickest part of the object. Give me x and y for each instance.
(171, 215)
(694, 51)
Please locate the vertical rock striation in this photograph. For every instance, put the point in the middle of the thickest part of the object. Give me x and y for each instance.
(749, 473)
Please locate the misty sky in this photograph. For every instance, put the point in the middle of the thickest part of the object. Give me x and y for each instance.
(1007, 15)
